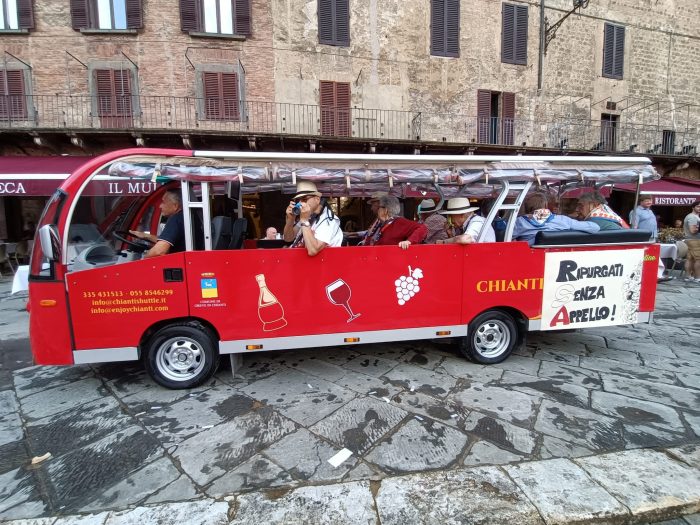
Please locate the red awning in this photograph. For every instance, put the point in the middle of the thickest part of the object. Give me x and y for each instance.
(35, 176)
(670, 191)
(40, 176)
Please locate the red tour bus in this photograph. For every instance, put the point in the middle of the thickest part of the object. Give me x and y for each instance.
(93, 298)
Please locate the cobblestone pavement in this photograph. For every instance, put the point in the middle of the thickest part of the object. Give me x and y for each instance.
(118, 440)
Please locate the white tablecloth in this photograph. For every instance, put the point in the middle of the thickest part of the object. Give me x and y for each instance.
(667, 251)
(21, 281)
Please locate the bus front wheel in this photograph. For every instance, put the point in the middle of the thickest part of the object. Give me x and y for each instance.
(181, 356)
(491, 337)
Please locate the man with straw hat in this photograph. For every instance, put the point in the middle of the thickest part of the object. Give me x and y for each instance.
(433, 221)
(463, 225)
(317, 226)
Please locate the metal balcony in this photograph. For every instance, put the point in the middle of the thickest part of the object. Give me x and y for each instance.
(188, 115)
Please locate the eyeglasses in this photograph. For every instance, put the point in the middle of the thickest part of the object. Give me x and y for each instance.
(305, 198)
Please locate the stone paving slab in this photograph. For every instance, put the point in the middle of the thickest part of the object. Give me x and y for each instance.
(497, 401)
(649, 484)
(564, 493)
(419, 445)
(303, 398)
(579, 425)
(479, 495)
(61, 398)
(212, 452)
(360, 424)
(322, 505)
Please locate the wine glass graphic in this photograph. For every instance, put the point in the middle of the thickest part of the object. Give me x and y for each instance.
(339, 293)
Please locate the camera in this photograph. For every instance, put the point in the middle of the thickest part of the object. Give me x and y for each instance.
(296, 209)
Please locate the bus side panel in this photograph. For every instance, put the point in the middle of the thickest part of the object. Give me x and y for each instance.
(49, 328)
(305, 295)
(111, 307)
(502, 274)
(647, 297)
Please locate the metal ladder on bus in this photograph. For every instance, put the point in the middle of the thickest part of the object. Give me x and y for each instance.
(189, 205)
(506, 187)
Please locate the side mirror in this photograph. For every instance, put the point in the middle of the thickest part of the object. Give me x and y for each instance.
(50, 242)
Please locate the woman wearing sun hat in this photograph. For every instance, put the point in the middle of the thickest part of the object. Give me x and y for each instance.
(433, 221)
(463, 225)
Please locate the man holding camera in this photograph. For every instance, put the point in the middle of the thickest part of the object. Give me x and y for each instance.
(317, 226)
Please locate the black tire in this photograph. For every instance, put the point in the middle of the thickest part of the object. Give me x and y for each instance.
(491, 337)
(181, 356)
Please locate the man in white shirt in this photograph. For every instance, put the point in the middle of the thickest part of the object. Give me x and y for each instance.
(464, 225)
(317, 226)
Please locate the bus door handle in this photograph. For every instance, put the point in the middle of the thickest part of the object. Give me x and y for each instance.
(173, 275)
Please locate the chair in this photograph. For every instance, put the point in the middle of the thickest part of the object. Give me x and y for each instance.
(21, 252)
(221, 231)
(239, 230)
(679, 261)
(4, 259)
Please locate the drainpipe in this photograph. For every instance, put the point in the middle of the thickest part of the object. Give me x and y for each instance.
(540, 64)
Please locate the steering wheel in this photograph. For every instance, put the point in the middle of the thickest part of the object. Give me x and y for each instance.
(138, 246)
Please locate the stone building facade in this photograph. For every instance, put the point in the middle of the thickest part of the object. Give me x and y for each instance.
(618, 76)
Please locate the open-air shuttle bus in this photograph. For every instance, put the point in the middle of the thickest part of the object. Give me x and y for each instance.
(93, 298)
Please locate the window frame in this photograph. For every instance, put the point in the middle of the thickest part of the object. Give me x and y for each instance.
(336, 16)
(449, 46)
(335, 120)
(85, 16)
(200, 92)
(29, 113)
(517, 35)
(24, 16)
(193, 19)
(613, 51)
(95, 110)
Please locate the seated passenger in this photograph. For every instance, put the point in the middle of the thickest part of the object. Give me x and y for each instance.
(463, 225)
(594, 208)
(317, 227)
(433, 221)
(271, 234)
(394, 229)
(538, 218)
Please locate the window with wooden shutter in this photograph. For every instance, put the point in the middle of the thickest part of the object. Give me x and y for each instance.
(13, 97)
(495, 117)
(483, 116)
(221, 17)
(334, 22)
(514, 34)
(113, 97)
(106, 14)
(444, 28)
(221, 96)
(335, 108)
(16, 15)
(508, 118)
(613, 51)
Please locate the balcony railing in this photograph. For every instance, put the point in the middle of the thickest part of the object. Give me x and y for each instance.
(188, 115)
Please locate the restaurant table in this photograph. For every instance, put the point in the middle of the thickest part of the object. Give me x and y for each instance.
(667, 251)
(20, 282)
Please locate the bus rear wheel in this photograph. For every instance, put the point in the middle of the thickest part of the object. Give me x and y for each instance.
(181, 356)
(491, 337)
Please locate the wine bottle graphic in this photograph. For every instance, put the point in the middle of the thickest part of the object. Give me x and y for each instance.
(270, 311)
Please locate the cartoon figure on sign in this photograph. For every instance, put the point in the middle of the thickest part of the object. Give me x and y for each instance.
(270, 311)
(407, 286)
(339, 293)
